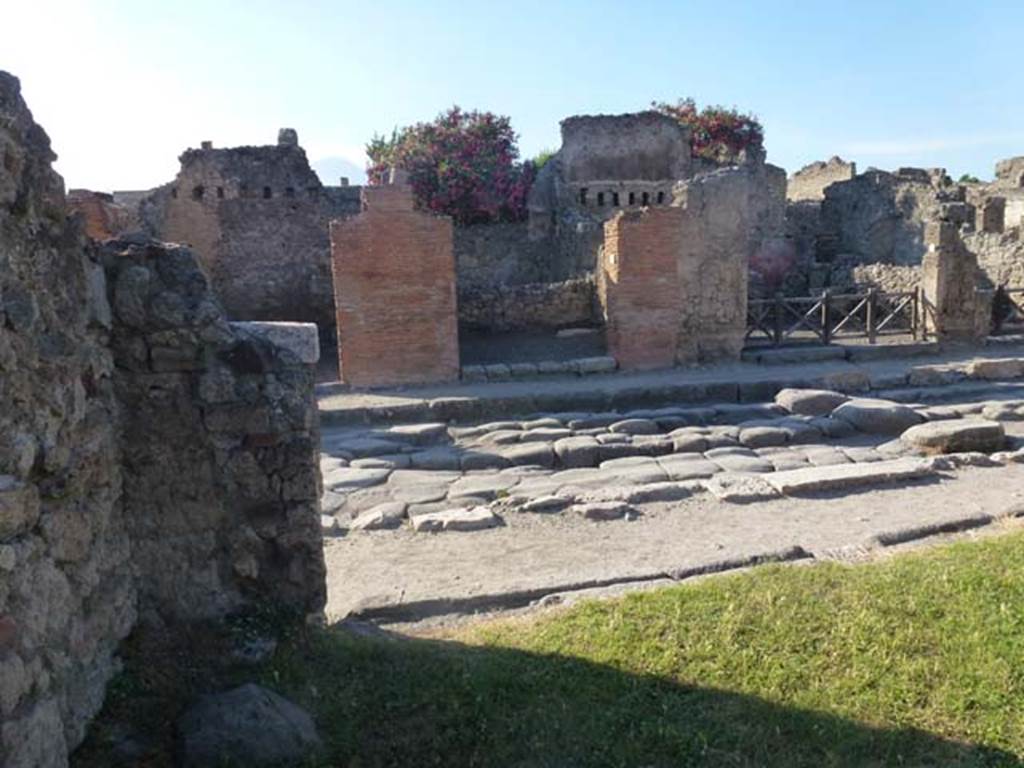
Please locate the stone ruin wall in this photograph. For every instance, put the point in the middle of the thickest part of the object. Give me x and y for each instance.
(155, 462)
(258, 218)
(533, 306)
(811, 181)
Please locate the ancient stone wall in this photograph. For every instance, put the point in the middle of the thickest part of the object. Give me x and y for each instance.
(880, 217)
(394, 288)
(639, 287)
(714, 264)
(220, 440)
(258, 217)
(489, 256)
(535, 306)
(810, 182)
(949, 279)
(102, 216)
(66, 592)
(154, 461)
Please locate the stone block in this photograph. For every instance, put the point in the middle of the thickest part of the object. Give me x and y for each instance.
(300, 339)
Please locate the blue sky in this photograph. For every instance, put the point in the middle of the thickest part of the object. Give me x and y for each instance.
(124, 86)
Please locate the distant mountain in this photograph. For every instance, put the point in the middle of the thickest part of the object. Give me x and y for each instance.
(331, 169)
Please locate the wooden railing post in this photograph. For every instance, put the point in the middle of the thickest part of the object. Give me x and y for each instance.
(826, 329)
(779, 328)
(872, 320)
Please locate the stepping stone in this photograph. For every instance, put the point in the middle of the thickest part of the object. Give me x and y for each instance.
(594, 420)
(862, 454)
(500, 437)
(739, 460)
(547, 422)
(687, 441)
(539, 454)
(482, 486)
(381, 517)
(349, 478)
(635, 427)
(956, 436)
(455, 519)
(826, 456)
(546, 504)
(1007, 368)
(841, 477)
(810, 402)
(545, 434)
(390, 461)
(577, 451)
(1003, 412)
(688, 467)
(652, 445)
(609, 438)
(739, 488)
(831, 427)
(435, 459)
(479, 459)
(419, 434)
(604, 510)
(877, 417)
(759, 437)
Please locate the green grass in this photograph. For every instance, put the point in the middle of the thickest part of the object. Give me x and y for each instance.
(917, 660)
(913, 661)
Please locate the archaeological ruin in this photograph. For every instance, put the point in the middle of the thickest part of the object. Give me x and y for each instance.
(204, 380)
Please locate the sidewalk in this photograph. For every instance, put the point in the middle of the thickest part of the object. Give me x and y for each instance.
(871, 369)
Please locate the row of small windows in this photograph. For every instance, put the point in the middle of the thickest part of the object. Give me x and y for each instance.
(644, 198)
(199, 192)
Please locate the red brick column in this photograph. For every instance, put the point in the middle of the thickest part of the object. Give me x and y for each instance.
(394, 291)
(639, 286)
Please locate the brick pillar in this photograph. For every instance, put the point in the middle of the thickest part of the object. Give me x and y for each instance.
(948, 280)
(394, 291)
(639, 286)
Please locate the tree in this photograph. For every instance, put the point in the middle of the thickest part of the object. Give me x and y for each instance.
(717, 133)
(463, 164)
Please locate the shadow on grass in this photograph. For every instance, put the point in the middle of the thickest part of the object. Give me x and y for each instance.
(401, 702)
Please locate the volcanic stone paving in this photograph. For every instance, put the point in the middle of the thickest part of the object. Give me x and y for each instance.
(604, 466)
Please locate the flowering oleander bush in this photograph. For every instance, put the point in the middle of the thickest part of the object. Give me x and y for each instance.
(719, 134)
(463, 164)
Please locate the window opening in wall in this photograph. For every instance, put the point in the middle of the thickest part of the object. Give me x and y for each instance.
(220, 192)
(646, 199)
(289, 191)
(243, 190)
(661, 198)
(615, 199)
(600, 198)
(267, 194)
(583, 195)
(174, 192)
(632, 198)
(198, 192)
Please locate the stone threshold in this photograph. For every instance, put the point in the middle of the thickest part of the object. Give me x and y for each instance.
(580, 366)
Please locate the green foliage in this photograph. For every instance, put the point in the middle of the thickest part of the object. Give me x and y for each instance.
(463, 164)
(968, 179)
(542, 158)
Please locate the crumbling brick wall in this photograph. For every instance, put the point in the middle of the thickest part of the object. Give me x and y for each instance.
(394, 287)
(534, 306)
(154, 461)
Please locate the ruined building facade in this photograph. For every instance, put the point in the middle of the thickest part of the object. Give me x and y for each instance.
(158, 464)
